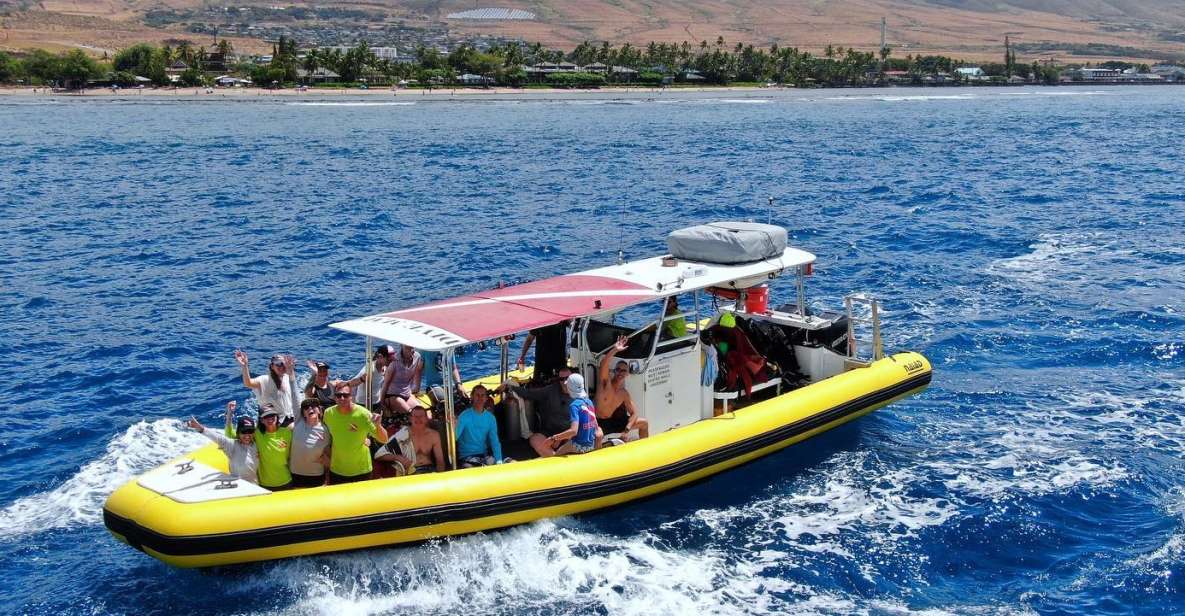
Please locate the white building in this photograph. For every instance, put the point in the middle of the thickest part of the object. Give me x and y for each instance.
(382, 53)
(1169, 72)
(971, 73)
(1099, 74)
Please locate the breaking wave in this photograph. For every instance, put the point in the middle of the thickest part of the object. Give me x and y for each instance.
(79, 500)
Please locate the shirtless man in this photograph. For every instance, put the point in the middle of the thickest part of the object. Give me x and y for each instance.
(418, 440)
(615, 410)
(429, 453)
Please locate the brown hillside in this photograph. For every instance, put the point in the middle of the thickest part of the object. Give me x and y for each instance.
(965, 28)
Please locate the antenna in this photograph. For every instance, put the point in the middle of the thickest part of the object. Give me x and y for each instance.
(769, 212)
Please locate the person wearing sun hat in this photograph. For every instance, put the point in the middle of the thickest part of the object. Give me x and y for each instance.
(239, 445)
(583, 435)
(275, 446)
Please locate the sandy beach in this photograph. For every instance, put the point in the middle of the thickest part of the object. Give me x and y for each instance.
(374, 94)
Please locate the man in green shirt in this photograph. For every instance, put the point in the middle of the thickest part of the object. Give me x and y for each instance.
(349, 424)
(674, 325)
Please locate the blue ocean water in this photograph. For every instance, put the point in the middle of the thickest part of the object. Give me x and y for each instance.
(1028, 241)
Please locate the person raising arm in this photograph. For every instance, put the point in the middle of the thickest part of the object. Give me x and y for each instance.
(349, 424)
(277, 387)
(239, 445)
(616, 413)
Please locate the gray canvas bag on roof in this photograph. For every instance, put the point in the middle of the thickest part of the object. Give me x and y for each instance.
(727, 242)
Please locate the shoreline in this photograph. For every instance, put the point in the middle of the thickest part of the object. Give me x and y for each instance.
(253, 93)
(496, 94)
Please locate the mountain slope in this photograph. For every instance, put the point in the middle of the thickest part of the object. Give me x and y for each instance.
(967, 28)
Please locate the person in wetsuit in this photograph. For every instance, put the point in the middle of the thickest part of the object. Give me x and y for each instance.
(551, 351)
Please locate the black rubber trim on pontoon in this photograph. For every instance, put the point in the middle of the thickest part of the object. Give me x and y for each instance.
(197, 545)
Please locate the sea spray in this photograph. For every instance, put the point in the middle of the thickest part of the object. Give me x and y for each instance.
(79, 499)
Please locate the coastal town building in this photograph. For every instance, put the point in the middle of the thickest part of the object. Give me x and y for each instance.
(1094, 74)
(321, 75)
(469, 79)
(1169, 72)
(382, 53)
(229, 81)
(971, 73)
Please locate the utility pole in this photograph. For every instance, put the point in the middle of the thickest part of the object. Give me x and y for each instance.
(882, 32)
(884, 55)
(1007, 57)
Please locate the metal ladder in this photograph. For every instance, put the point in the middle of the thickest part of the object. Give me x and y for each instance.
(850, 301)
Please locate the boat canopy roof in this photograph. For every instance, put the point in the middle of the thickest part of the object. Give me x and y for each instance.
(495, 313)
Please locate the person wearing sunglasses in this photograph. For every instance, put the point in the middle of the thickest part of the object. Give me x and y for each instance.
(238, 445)
(275, 446)
(616, 413)
(310, 446)
(350, 425)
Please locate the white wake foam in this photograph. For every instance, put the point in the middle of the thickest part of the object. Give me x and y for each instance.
(79, 500)
(1054, 255)
(852, 510)
(549, 566)
(350, 104)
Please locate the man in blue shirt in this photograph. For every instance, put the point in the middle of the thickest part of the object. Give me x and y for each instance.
(477, 432)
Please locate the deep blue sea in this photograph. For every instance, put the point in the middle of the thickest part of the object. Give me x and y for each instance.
(1029, 241)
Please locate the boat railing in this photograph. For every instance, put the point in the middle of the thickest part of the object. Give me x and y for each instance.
(863, 310)
(681, 340)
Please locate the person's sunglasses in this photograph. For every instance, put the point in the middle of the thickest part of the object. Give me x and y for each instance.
(342, 395)
(268, 418)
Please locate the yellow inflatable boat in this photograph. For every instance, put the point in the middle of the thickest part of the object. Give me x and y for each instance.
(817, 374)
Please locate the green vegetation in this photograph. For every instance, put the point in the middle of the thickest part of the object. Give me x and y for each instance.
(75, 69)
(516, 64)
(71, 69)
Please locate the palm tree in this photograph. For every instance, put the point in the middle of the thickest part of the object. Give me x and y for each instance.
(185, 52)
(312, 60)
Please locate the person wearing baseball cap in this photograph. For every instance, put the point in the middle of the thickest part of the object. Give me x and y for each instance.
(319, 387)
(238, 445)
(277, 387)
(383, 354)
(275, 445)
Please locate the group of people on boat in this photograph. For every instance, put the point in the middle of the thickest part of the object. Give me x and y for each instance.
(325, 433)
